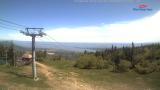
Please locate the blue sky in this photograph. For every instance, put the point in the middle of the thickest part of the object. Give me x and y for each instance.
(79, 17)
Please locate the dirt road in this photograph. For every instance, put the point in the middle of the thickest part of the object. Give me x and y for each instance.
(62, 81)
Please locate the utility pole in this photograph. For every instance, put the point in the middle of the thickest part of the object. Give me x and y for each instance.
(33, 32)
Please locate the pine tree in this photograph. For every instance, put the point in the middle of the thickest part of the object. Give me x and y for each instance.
(132, 56)
(11, 54)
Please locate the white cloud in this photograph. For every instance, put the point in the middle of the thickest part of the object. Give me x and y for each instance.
(142, 30)
(18, 36)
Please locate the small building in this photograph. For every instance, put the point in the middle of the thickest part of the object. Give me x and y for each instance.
(27, 58)
(50, 53)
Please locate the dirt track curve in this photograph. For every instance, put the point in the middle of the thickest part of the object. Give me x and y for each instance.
(62, 81)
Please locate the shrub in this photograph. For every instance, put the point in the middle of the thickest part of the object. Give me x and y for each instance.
(91, 62)
(85, 62)
(156, 65)
(124, 66)
(101, 64)
(145, 67)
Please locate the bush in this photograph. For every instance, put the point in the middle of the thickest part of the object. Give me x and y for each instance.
(145, 67)
(101, 64)
(124, 66)
(85, 62)
(156, 65)
(91, 62)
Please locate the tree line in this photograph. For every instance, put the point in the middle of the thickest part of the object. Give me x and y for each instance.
(9, 52)
(142, 59)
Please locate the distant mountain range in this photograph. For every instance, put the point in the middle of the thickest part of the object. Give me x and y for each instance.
(73, 46)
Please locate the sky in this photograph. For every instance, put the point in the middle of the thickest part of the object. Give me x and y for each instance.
(101, 21)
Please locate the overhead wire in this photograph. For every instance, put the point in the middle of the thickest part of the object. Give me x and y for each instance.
(7, 21)
(9, 25)
(63, 44)
(13, 23)
(9, 28)
(55, 44)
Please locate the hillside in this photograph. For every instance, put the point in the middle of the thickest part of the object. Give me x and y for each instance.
(60, 75)
(20, 79)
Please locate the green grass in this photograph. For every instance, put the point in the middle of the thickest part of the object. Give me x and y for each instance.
(2, 87)
(12, 77)
(105, 77)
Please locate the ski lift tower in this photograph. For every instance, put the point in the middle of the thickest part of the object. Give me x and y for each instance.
(33, 32)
